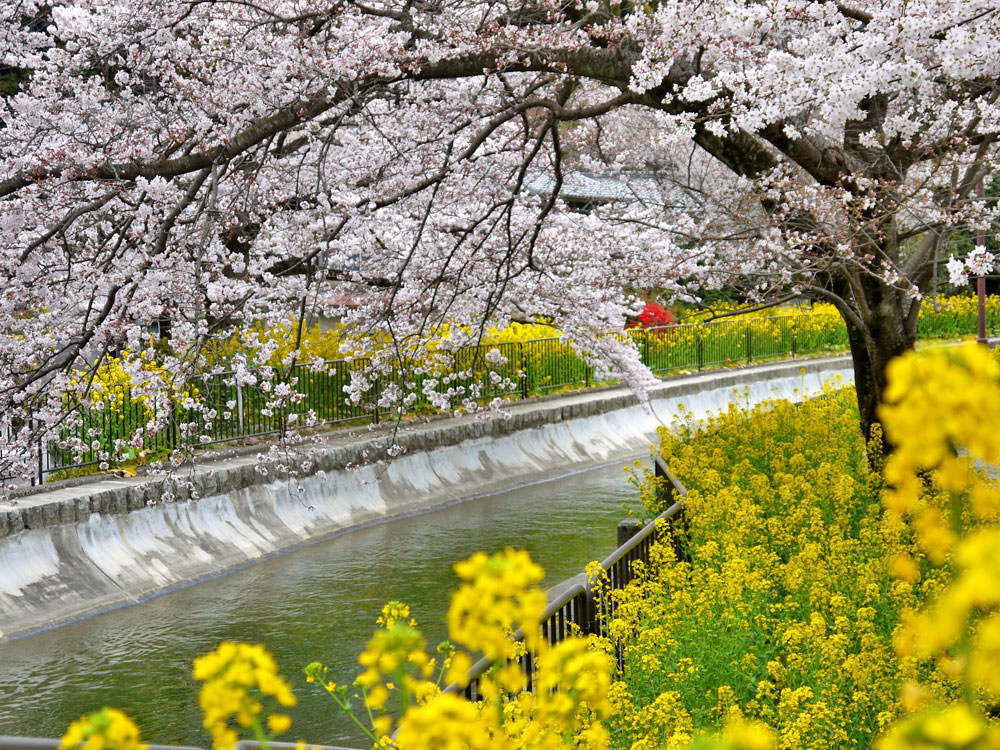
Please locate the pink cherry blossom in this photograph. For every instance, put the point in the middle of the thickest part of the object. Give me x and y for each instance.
(217, 168)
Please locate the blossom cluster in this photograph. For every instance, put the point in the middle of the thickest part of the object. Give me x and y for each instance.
(495, 611)
(941, 416)
(979, 262)
(496, 592)
(239, 681)
(107, 729)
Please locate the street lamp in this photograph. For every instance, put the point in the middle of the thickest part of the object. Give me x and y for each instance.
(980, 279)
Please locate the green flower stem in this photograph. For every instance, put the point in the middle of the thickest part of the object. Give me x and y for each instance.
(259, 734)
(345, 708)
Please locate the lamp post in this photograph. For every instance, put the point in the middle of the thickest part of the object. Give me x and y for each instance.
(980, 279)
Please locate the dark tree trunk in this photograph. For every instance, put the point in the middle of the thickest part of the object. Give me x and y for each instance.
(871, 351)
(887, 330)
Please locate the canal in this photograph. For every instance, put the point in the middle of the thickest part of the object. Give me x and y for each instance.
(317, 603)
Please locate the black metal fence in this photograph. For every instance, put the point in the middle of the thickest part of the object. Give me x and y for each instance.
(217, 408)
(578, 606)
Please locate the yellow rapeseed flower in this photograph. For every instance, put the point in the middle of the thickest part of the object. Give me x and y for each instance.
(498, 593)
(107, 729)
(237, 680)
(448, 722)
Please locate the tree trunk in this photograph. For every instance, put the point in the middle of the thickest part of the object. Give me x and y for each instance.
(886, 333)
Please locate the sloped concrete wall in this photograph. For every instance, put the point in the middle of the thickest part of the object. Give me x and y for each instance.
(72, 552)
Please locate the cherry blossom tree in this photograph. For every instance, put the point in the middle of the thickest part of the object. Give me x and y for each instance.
(228, 165)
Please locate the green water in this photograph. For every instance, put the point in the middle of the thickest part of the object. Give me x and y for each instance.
(318, 603)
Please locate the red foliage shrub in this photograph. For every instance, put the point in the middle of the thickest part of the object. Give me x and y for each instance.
(652, 316)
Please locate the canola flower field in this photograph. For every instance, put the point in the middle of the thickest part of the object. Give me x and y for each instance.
(517, 362)
(784, 609)
(821, 600)
(813, 598)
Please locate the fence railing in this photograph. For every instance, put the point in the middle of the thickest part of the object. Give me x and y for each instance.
(104, 431)
(580, 606)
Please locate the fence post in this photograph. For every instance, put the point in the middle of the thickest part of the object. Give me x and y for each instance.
(593, 613)
(627, 529)
(645, 347)
(375, 395)
(281, 418)
(524, 370)
(795, 333)
(40, 468)
(239, 408)
(749, 341)
(174, 415)
(701, 353)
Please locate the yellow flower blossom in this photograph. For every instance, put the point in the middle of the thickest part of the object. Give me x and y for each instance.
(279, 723)
(238, 680)
(498, 593)
(107, 729)
(448, 722)
(953, 727)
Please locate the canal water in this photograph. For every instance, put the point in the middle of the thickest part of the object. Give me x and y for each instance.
(318, 603)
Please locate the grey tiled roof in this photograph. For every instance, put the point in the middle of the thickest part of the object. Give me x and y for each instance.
(622, 187)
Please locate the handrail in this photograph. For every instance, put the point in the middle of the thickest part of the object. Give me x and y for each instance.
(587, 611)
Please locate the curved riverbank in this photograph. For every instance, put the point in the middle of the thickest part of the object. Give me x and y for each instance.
(71, 552)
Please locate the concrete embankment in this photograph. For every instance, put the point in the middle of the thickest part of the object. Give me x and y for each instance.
(73, 551)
